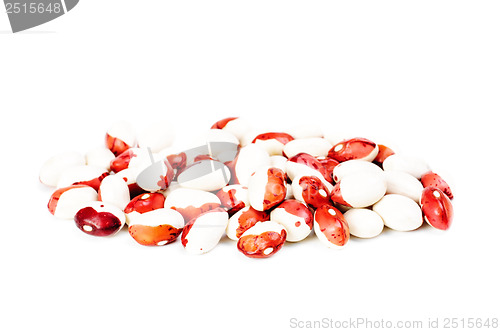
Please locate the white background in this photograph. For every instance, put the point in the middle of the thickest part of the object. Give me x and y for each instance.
(422, 76)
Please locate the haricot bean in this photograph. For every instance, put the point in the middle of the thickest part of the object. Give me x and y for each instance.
(260, 189)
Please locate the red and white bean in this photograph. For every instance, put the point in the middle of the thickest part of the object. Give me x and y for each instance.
(202, 233)
(157, 227)
(436, 208)
(359, 189)
(120, 137)
(330, 226)
(305, 164)
(136, 159)
(243, 220)
(65, 202)
(266, 188)
(272, 143)
(354, 148)
(296, 217)
(114, 190)
(88, 175)
(431, 179)
(143, 204)
(128, 175)
(233, 198)
(310, 190)
(383, 153)
(262, 240)
(249, 159)
(239, 127)
(191, 202)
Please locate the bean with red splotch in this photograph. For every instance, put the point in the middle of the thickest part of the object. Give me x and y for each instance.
(310, 190)
(120, 137)
(202, 233)
(355, 148)
(157, 227)
(262, 240)
(65, 202)
(100, 219)
(431, 179)
(191, 202)
(243, 220)
(143, 204)
(272, 142)
(436, 208)
(330, 226)
(233, 198)
(296, 217)
(266, 188)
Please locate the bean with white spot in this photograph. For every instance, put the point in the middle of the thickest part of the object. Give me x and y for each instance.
(157, 227)
(310, 190)
(436, 208)
(262, 240)
(142, 204)
(354, 148)
(330, 226)
(431, 179)
(100, 219)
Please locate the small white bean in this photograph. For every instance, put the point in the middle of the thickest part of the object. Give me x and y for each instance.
(411, 165)
(53, 168)
(403, 184)
(315, 146)
(364, 223)
(399, 212)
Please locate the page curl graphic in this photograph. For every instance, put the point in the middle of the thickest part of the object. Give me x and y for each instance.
(26, 14)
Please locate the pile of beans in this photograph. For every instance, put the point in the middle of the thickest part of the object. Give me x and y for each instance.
(259, 189)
